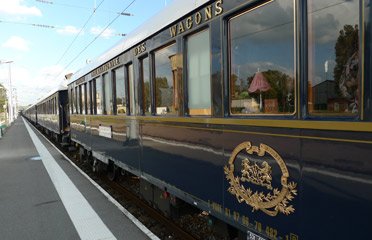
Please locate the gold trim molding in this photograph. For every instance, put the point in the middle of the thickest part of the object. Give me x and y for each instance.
(275, 201)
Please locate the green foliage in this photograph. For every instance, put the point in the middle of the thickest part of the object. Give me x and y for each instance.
(2, 97)
(347, 44)
(160, 82)
(147, 96)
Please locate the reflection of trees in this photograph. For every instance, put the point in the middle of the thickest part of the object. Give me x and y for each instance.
(282, 89)
(160, 83)
(146, 97)
(347, 62)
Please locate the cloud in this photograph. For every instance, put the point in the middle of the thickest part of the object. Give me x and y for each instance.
(270, 23)
(109, 32)
(17, 43)
(15, 7)
(68, 30)
(31, 84)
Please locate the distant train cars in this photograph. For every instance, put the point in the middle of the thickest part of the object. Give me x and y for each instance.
(256, 112)
(51, 113)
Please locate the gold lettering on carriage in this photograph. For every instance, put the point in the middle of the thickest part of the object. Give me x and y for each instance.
(272, 199)
(208, 12)
(114, 62)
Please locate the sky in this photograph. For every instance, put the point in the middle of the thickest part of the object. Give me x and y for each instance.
(47, 39)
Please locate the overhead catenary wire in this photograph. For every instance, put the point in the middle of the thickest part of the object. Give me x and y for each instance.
(77, 35)
(39, 25)
(82, 7)
(90, 43)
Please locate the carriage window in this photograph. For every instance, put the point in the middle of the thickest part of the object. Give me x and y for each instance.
(145, 74)
(262, 60)
(334, 73)
(168, 70)
(121, 105)
(72, 102)
(89, 98)
(55, 106)
(132, 103)
(99, 96)
(108, 94)
(198, 74)
(83, 98)
(78, 99)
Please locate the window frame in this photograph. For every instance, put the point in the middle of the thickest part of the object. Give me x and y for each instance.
(186, 81)
(296, 52)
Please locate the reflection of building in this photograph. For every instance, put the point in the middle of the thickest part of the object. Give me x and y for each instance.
(324, 97)
(176, 64)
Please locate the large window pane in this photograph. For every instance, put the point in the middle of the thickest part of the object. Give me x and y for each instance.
(146, 85)
(132, 103)
(334, 73)
(99, 96)
(83, 98)
(198, 73)
(262, 60)
(108, 94)
(89, 98)
(77, 90)
(72, 101)
(168, 68)
(121, 105)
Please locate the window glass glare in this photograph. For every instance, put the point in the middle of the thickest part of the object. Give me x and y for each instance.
(72, 103)
(121, 105)
(99, 96)
(262, 60)
(146, 85)
(89, 97)
(198, 73)
(108, 94)
(168, 71)
(77, 89)
(132, 103)
(83, 97)
(334, 73)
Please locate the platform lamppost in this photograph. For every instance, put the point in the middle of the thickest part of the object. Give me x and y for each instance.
(10, 96)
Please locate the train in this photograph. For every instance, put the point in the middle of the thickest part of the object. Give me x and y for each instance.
(257, 113)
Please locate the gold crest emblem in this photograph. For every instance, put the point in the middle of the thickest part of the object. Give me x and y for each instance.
(270, 203)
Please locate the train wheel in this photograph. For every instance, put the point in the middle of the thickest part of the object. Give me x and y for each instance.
(95, 165)
(112, 171)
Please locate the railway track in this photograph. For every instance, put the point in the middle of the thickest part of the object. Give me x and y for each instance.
(156, 221)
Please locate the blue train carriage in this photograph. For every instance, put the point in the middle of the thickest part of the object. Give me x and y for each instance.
(52, 113)
(31, 113)
(257, 112)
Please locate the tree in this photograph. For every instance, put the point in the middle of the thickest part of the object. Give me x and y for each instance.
(160, 82)
(347, 62)
(2, 98)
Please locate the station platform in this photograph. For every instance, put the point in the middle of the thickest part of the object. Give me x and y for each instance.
(43, 196)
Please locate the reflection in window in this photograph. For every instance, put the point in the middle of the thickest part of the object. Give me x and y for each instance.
(77, 91)
(132, 103)
(89, 98)
(72, 103)
(333, 81)
(198, 73)
(262, 60)
(168, 73)
(146, 85)
(108, 94)
(99, 96)
(83, 98)
(121, 103)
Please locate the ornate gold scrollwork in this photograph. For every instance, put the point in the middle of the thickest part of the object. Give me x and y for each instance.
(272, 202)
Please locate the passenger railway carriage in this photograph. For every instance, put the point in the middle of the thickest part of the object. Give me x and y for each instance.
(257, 112)
(51, 113)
